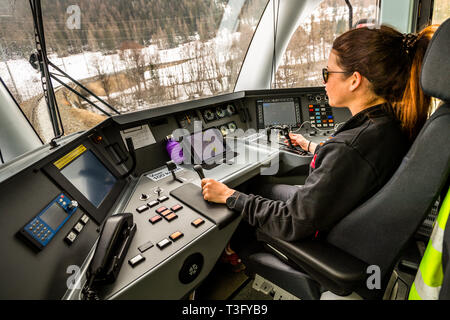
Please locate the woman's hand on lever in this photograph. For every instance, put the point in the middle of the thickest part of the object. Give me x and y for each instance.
(299, 140)
(215, 191)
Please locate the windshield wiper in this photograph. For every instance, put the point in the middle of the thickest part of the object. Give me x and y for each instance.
(40, 61)
(350, 14)
(47, 86)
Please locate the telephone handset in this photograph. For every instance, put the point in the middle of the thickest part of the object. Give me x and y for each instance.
(115, 239)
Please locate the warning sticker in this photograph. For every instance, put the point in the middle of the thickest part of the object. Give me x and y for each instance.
(68, 158)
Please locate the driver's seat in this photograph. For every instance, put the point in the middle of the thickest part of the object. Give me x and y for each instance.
(371, 238)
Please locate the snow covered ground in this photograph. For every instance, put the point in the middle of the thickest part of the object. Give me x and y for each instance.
(26, 80)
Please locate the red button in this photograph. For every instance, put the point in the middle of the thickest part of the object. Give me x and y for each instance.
(176, 207)
(159, 210)
(155, 219)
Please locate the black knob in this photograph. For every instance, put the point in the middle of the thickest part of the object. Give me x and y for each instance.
(171, 165)
(198, 168)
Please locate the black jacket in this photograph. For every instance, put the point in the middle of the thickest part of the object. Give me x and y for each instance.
(346, 170)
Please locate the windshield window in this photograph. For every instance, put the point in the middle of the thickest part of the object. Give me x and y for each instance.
(441, 11)
(142, 54)
(310, 45)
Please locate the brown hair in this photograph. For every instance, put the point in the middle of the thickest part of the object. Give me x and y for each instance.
(392, 62)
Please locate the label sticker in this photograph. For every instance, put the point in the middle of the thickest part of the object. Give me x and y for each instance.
(142, 136)
(68, 158)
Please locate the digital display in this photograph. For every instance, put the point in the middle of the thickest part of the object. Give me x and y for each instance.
(207, 145)
(90, 177)
(54, 216)
(279, 113)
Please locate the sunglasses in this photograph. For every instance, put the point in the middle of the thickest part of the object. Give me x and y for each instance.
(326, 74)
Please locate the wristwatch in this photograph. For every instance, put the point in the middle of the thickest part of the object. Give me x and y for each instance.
(231, 200)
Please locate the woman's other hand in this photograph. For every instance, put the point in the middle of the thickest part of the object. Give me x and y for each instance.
(298, 140)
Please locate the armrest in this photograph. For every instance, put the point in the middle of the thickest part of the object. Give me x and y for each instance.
(334, 269)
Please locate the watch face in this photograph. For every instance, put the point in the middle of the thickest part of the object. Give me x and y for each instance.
(231, 201)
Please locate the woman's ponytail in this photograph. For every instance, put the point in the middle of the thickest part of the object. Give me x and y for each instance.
(413, 109)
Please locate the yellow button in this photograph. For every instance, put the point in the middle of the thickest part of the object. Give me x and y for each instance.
(176, 235)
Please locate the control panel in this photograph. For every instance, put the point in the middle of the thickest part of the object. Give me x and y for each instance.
(320, 114)
(179, 236)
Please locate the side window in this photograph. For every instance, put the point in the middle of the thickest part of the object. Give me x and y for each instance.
(441, 11)
(16, 45)
(308, 50)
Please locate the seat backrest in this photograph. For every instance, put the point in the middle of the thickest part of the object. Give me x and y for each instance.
(378, 230)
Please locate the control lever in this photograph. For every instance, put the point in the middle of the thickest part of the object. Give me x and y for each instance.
(198, 168)
(268, 133)
(285, 132)
(172, 166)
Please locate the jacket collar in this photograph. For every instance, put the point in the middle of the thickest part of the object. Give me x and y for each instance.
(362, 116)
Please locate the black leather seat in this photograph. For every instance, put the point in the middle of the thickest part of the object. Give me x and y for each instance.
(377, 231)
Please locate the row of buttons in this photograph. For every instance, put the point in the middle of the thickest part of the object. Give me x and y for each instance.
(152, 204)
(76, 230)
(323, 125)
(168, 214)
(161, 245)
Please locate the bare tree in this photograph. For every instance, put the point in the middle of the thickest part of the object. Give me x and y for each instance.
(105, 79)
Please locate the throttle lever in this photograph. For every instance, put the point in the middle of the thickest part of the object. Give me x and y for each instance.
(198, 168)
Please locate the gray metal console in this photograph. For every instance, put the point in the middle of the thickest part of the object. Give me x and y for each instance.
(178, 240)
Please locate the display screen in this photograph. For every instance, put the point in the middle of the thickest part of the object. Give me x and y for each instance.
(207, 145)
(54, 216)
(90, 177)
(279, 113)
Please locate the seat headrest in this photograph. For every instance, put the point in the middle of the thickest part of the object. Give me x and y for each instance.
(435, 77)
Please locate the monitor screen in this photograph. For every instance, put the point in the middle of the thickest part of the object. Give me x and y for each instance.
(207, 145)
(90, 177)
(54, 216)
(279, 113)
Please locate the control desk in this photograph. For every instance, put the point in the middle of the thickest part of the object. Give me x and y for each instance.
(53, 202)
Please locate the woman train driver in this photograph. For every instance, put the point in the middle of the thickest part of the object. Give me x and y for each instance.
(375, 73)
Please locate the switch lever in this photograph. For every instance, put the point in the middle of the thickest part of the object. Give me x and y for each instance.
(198, 168)
(172, 167)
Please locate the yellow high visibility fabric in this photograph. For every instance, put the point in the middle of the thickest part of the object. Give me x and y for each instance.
(430, 275)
